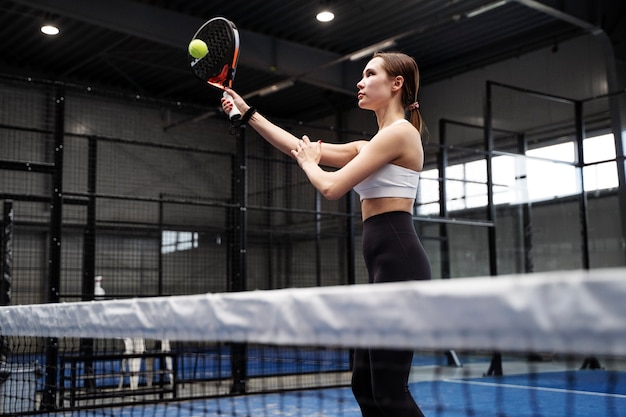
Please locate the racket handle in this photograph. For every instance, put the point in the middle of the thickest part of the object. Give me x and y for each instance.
(234, 114)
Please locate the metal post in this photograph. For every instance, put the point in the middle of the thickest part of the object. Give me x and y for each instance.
(527, 225)
(49, 397)
(89, 238)
(491, 208)
(444, 242)
(238, 276)
(89, 257)
(318, 239)
(6, 253)
(160, 254)
(351, 239)
(582, 198)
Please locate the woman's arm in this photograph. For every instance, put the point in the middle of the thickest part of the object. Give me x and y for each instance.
(333, 155)
(276, 136)
(385, 147)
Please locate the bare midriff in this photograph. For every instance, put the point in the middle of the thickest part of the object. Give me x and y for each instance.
(373, 206)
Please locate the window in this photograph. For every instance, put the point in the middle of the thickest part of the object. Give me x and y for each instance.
(548, 179)
(173, 241)
(602, 175)
(548, 174)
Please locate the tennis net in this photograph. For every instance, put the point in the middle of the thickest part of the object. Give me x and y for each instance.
(544, 344)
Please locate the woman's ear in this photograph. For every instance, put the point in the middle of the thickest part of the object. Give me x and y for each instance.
(398, 82)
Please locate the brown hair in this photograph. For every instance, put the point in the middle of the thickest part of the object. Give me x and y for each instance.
(397, 63)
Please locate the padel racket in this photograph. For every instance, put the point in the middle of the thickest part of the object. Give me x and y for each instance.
(218, 65)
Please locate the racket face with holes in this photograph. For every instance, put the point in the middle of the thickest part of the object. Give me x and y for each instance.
(218, 66)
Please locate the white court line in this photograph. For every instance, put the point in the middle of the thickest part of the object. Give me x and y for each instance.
(526, 387)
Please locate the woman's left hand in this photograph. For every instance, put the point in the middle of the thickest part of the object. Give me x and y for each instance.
(307, 151)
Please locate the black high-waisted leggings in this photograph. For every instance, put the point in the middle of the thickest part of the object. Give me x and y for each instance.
(392, 252)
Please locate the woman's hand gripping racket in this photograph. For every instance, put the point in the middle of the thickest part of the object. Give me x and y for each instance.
(213, 55)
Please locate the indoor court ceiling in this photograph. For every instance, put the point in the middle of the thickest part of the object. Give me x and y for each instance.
(139, 46)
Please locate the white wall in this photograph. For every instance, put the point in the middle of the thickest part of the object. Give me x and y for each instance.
(576, 70)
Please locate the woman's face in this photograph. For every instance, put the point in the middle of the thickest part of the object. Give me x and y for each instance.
(375, 87)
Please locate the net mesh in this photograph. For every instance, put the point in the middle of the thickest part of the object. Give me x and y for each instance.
(545, 344)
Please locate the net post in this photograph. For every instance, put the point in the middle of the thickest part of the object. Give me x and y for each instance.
(591, 362)
(453, 359)
(495, 367)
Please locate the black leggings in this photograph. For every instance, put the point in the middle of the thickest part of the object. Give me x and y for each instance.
(392, 252)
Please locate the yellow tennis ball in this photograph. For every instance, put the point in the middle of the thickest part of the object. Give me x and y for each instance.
(198, 48)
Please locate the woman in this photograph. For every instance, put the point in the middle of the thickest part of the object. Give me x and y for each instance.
(384, 171)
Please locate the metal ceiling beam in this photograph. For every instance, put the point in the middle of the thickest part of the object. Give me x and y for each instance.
(558, 14)
(174, 29)
(313, 66)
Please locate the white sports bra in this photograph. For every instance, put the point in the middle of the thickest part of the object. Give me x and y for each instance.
(389, 181)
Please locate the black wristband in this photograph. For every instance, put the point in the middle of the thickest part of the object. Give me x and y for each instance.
(242, 121)
(247, 115)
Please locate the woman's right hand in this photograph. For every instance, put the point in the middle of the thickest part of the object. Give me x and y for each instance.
(237, 101)
(307, 151)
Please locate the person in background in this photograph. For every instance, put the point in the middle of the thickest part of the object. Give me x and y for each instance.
(98, 291)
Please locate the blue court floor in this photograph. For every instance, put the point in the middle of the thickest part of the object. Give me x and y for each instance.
(586, 393)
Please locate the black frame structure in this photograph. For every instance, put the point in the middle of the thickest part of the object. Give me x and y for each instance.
(239, 209)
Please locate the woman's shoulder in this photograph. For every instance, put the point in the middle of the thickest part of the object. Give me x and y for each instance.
(400, 131)
(407, 141)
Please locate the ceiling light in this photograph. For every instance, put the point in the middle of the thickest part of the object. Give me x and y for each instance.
(486, 8)
(362, 53)
(325, 11)
(325, 16)
(273, 88)
(50, 30)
